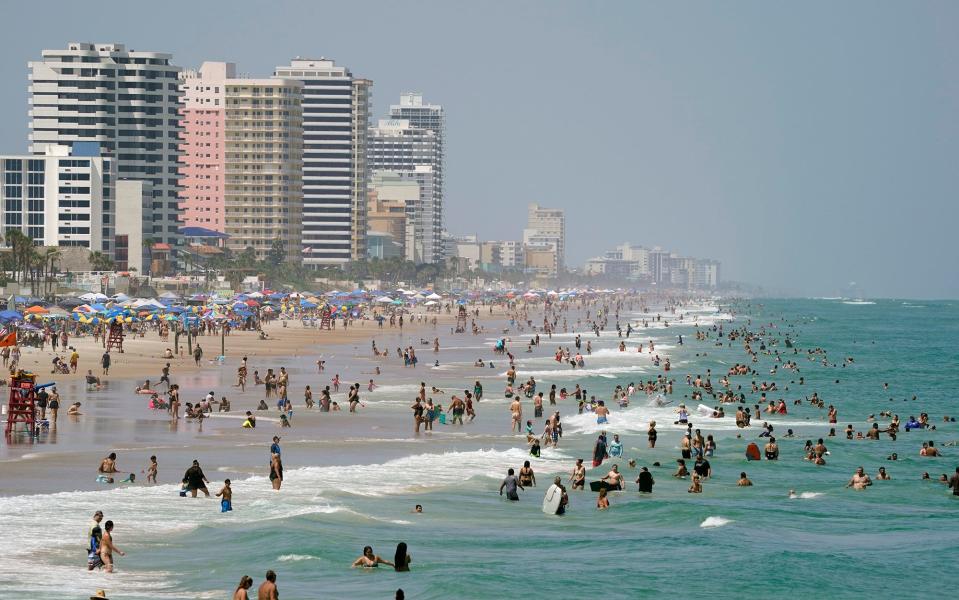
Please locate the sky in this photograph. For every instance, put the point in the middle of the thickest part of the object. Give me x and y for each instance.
(804, 144)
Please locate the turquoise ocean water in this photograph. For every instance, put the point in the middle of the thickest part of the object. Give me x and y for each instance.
(898, 538)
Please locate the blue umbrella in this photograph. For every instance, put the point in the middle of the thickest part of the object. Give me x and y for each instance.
(9, 315)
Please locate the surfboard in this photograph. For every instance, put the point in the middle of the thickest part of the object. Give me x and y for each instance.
(551, 501)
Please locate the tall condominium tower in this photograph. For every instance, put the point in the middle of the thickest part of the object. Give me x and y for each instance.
(546, 231)
(125, 101)
(412, 138)
(335, 129)
(430, 117)
(242, 159)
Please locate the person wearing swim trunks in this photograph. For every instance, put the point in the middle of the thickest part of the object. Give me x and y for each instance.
(614, 478)
(94, 535)
(226, 496)
(601, 413)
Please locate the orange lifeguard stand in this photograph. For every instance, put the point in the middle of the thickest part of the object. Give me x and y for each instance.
(21, 407)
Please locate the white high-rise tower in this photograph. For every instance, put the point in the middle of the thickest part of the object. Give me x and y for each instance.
(335, 131)
(125, 101)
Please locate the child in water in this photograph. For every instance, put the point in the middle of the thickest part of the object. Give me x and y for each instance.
(226, 503)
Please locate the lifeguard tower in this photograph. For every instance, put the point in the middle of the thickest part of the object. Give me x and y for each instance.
(461, 320)
(326, 321)
(115, 340)
(21, 407)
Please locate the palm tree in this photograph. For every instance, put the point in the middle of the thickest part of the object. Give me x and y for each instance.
(20, 248)
(51, 258)
(100, 261)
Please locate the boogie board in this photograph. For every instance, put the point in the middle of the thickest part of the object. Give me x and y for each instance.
(599, 485)
(752, 452)
(551, 501)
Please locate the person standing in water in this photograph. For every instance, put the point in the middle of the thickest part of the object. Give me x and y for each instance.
(510, 483)
(578, 477)
(107, 547)
(267, 589)
(226, 497)
(276, 470)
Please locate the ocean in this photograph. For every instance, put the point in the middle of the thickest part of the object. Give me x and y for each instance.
(358, 487)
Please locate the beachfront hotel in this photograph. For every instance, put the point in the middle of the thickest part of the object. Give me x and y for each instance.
(335, 177)
(411, 139)
(60, 198)
(545, 240)
(125, 101)
(399, 150)
(242, 160)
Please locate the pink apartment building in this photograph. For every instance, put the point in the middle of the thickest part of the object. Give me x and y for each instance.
(242, 161)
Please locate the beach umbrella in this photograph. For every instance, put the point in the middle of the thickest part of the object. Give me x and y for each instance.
(430, 303)
(384, 300)
(9, 315)
(36, 310)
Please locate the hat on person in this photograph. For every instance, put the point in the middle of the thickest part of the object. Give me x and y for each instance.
(100, 595)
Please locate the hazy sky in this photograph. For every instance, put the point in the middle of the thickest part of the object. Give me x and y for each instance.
(804, 144)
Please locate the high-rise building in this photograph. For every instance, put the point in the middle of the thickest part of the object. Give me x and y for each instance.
(243, 158)
(362, 95)
(133, 227)
(125, 101)
(62, 198)
(335, 124)
(397, 147)
(546, 228)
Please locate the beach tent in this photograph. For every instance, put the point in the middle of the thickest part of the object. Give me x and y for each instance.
(384, 300)
(36, 310)
(434, 296)
(430, 303)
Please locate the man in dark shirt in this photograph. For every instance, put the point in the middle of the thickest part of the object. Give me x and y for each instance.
(703, 468)
(196, 480)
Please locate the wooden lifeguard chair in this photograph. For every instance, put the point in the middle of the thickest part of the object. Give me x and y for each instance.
(326, 322)
(115, 340)
(461, 320)
(21, 406)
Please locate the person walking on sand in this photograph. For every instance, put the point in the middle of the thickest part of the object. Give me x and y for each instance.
(197, 354)
(105, 362)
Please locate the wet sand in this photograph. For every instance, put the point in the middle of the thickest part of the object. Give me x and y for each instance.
(116, 419)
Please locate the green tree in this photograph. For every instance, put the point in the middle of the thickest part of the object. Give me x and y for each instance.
(100, 261)
(277, 253)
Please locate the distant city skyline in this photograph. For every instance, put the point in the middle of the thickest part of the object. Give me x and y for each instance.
(804, 146)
